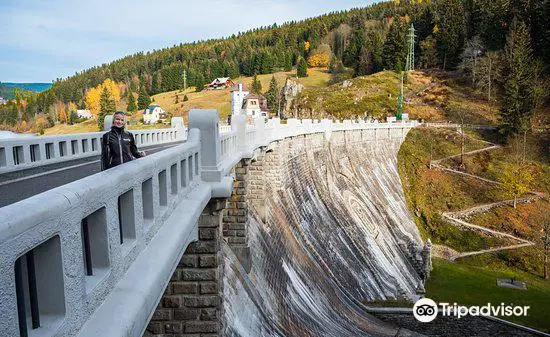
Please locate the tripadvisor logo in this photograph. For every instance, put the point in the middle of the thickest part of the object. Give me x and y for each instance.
(425, 310)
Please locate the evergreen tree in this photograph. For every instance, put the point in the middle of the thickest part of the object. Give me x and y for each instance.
(272, 95)
(353, 50)
(395, 48)
(131, 102)
(143, 99)
(428, 53)
(518, 100)
(450, 37)
(301, 68)
(106, 107)
(256, 86)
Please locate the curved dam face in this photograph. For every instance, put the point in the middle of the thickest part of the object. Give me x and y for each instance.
(329, 232)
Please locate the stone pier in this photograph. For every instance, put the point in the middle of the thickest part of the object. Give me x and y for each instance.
(191, 305)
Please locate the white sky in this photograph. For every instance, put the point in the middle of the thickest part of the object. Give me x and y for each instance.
(42, 40)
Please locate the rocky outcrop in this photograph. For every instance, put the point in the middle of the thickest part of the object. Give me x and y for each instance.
(289, 93)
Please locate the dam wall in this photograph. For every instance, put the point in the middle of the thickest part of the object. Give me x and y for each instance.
(328, 231)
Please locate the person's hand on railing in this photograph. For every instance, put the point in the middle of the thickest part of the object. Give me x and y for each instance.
(142, 154)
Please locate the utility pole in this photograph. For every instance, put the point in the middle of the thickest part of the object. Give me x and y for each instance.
(399, 115)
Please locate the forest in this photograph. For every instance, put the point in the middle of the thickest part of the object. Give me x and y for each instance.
(473, 36)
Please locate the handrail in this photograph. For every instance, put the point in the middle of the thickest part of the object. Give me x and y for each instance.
(22, 153)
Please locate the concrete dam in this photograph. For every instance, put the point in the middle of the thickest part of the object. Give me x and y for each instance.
(328, 231)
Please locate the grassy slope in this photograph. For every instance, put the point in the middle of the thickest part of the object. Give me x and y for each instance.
(219, 99)
(469, 284)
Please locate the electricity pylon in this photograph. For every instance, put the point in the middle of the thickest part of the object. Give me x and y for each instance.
(408, 67)
(410, 53)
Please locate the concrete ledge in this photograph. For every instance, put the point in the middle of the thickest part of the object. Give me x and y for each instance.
(134, 298)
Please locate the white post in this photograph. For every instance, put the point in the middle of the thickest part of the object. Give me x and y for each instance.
(238, 125)
(207, 122)
(327, 126)
(259, 123)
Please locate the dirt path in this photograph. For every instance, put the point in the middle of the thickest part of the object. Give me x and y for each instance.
(455, 217)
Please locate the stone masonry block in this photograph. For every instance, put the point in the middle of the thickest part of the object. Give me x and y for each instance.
(155, 327)
(186, 314)
(204, 327)
(209, 314)
(185, 288)
(207, 301)
(237, 240)
(208, 261)
(203, 247)
(237, 226)
(206, 220)
(172, 301)
(200, 275)
(209, 288)
(188, 261)
(162, 315)
(208, 233)
(173, 327)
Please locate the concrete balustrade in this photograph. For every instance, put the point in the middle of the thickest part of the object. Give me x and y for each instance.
(19, 154)
(92, 258)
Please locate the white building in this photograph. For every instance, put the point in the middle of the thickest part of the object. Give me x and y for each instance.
(245, 103)
(153, 114)
(237, 98)
(255, 106)
(84, 114)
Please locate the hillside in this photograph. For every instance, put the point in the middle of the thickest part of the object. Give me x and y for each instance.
(433, 193)
(7, 90)
(220, 99)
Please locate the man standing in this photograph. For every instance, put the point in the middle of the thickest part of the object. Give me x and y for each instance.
(118, 146)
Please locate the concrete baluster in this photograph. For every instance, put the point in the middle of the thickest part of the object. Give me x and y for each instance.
(238, 125)
(292, 124)
(207, 122)
(327, 126)
(259, 123)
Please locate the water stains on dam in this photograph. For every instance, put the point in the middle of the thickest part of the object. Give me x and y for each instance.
(333, 233)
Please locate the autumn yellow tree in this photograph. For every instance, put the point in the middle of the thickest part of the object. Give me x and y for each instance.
(515, 180)
(61, 112)
(92, 100)
(320, 57)
(93, 95)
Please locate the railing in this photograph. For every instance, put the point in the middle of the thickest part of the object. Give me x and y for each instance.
(18, 154)
(73, 256)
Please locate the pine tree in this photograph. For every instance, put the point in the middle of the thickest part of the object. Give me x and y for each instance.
(518, 100)
(428, 53)
(272, 96)
(256, 86)
(131, 102)
(143, 99)
(394, 50)
(301, 68)
(106, 107)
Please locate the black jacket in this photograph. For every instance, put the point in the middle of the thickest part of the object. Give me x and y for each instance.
(117, 147)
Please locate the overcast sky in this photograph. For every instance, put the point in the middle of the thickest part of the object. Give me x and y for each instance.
(41, 40)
